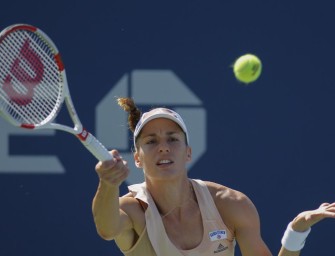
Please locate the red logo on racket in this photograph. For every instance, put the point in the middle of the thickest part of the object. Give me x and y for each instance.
(83, 135)
(28, 60)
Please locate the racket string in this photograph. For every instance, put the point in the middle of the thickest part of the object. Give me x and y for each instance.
(46, 98)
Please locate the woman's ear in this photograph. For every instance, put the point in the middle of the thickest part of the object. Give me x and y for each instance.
(189, 154)
(137, 160)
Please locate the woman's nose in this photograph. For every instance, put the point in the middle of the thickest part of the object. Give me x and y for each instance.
(164, 147)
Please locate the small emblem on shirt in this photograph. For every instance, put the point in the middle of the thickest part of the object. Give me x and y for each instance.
(221, 248)
(217, 235)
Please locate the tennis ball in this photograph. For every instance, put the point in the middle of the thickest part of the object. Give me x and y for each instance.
(247, 68)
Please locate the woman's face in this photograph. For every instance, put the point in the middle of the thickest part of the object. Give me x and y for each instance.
(161, 149)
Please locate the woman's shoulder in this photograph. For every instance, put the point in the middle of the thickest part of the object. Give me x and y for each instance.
(222, 192)
(135, 209)
(229, 199)
(233, 205)
(129, 201)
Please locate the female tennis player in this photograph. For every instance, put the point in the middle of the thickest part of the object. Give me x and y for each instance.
(171, 214)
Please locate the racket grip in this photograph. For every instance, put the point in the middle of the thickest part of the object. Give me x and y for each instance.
(95, 147)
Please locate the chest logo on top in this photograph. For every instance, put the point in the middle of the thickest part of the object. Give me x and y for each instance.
(221, 248)
(217, 235)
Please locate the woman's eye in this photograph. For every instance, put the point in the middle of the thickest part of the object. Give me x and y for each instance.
(173, 139)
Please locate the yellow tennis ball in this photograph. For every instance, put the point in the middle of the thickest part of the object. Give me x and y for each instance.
(247, 68)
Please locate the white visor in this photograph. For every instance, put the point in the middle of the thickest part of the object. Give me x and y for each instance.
(160, 113)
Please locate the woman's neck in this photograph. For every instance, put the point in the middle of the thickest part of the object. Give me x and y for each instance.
(171, 195)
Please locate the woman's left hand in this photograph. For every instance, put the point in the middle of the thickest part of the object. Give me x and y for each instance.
(308, 218)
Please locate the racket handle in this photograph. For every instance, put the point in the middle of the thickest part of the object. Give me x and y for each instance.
(95, 147)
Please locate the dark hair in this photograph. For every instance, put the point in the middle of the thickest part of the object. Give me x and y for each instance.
(134, 113)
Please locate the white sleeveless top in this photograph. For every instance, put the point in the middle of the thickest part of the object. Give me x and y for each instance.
(217, 239)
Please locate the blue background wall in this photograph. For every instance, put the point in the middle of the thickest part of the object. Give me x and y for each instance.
(273, 140)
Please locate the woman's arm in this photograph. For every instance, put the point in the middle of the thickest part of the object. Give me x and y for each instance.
(109, 219)
(295, 235)
(240, 215)
(247, 228)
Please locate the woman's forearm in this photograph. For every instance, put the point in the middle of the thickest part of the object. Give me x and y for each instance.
(106, 210)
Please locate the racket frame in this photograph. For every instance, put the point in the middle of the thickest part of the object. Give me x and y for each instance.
(89, 141)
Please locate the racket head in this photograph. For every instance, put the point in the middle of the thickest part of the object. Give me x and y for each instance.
(32, 77)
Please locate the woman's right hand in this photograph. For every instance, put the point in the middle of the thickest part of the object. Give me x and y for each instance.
(113, 172)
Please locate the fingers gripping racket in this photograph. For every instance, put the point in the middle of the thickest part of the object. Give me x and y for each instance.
(33, 85)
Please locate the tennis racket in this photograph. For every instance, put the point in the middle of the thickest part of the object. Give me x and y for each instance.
(33, 85)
